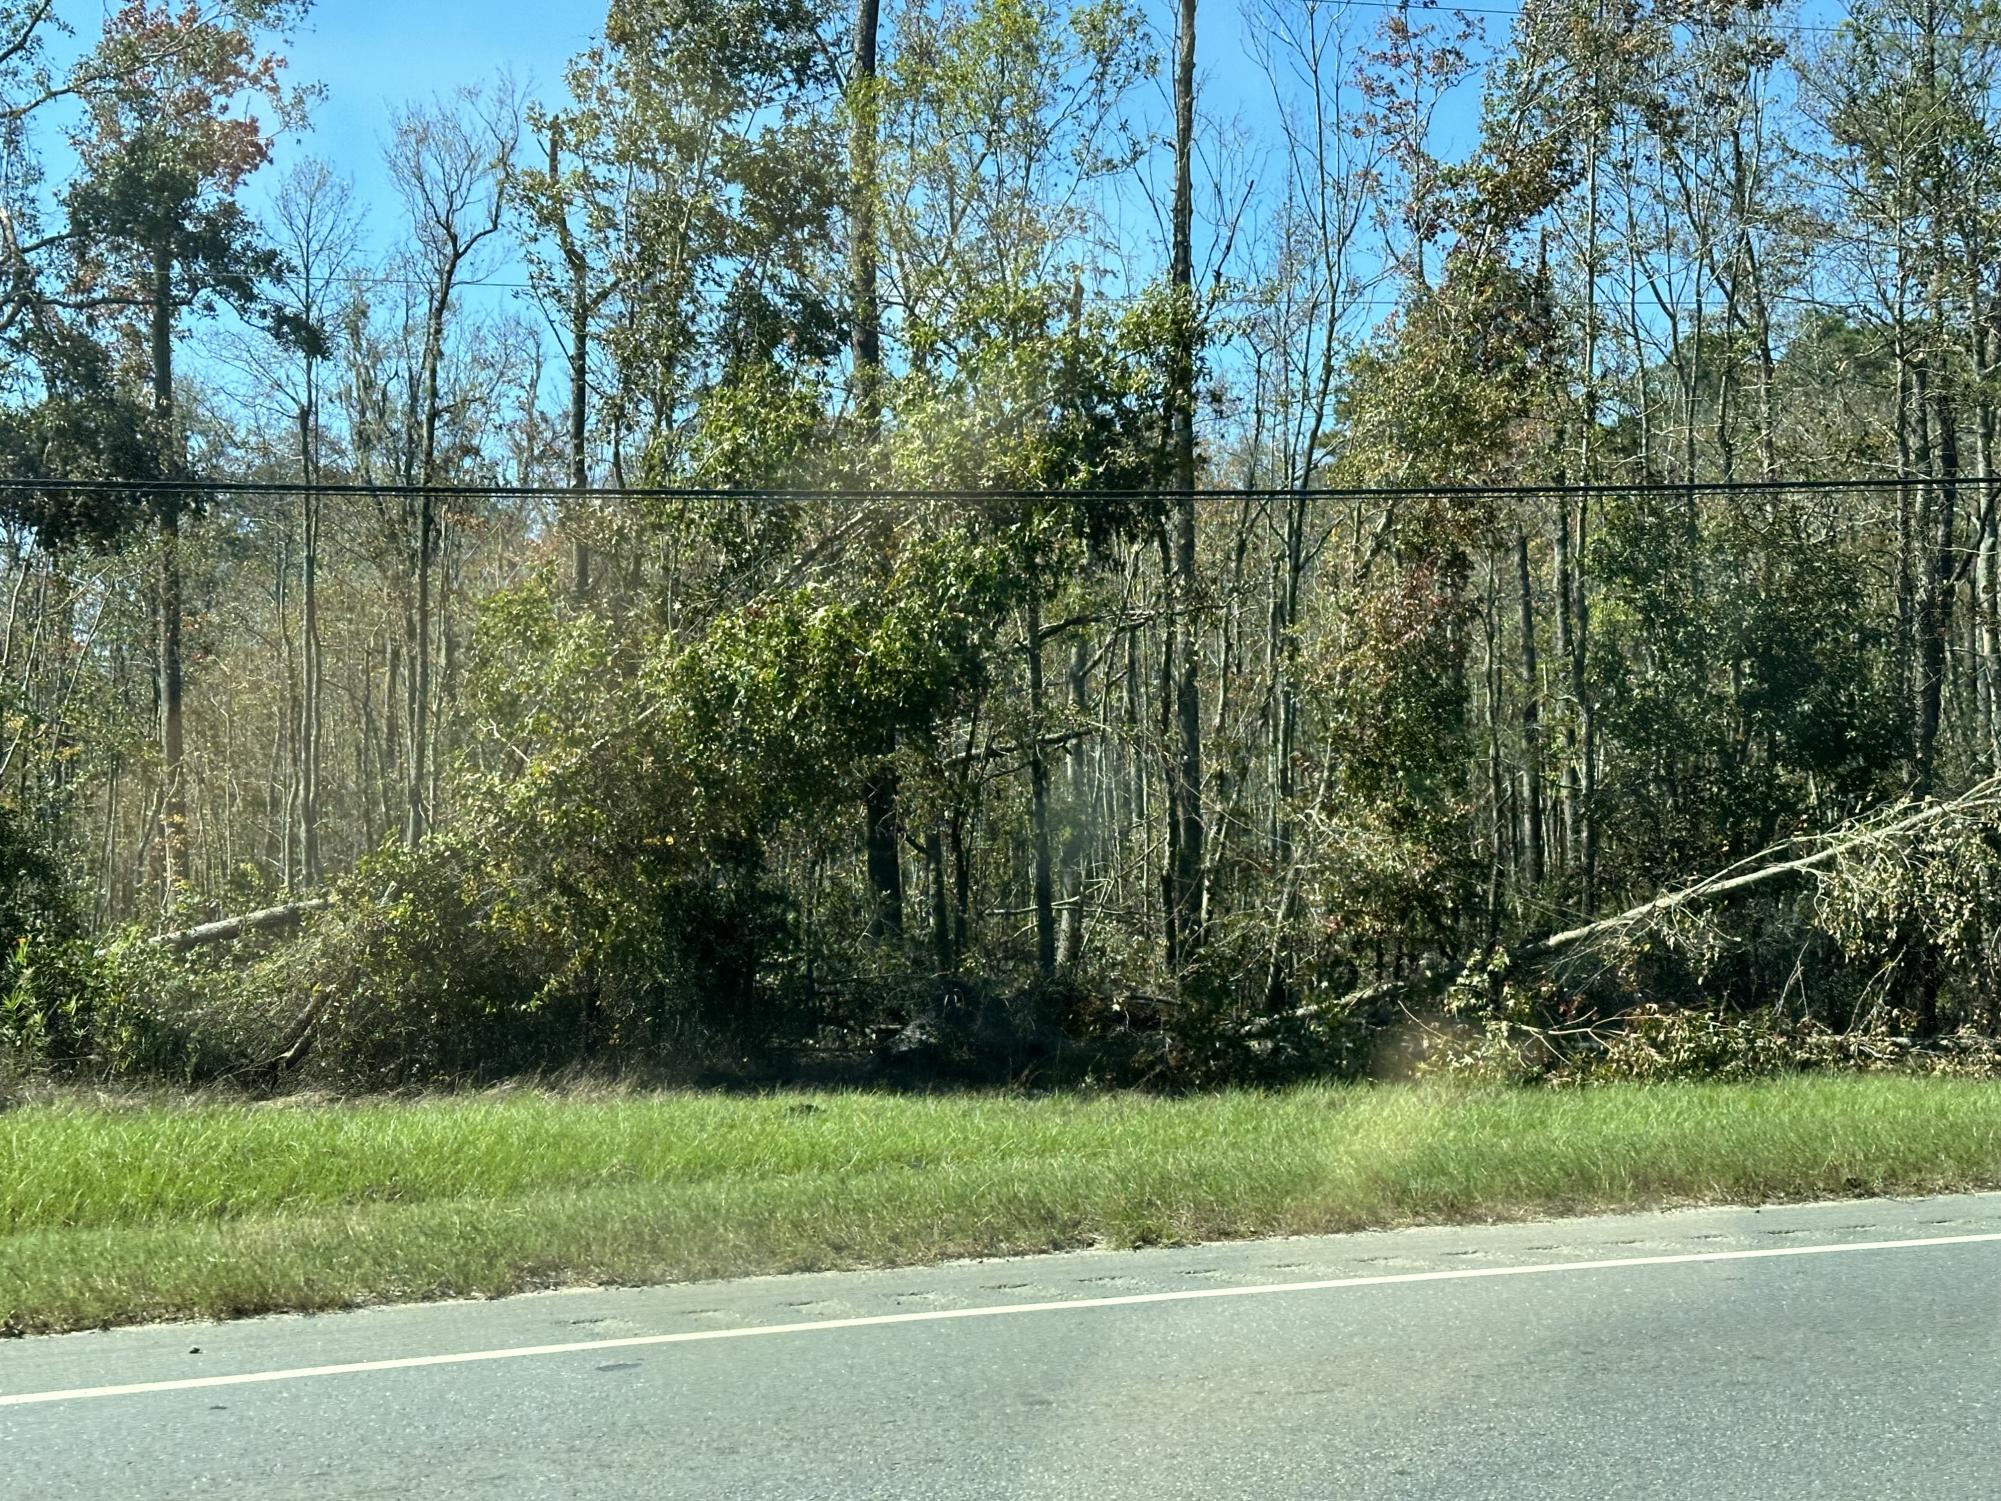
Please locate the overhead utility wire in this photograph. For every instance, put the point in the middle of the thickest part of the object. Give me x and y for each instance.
(781, 495)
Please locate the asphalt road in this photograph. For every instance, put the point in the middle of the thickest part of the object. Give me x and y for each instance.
(1580, 1358)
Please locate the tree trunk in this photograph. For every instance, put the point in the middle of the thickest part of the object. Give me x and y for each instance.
(173, 766)
(1987, 581)
(885, 864)
(1038, 793)
(417, 646)
(942, 949)
(282, 781)
(394, 701)
(580, 398)
(865, 337)
(310, 727)
(224, 929)
(1573, 832)
(425, 518)
(1078, 845)
(1170, 777)
(1933, 622)
(1906, 576)
(962, 882)
(310, 718)
(1501, 849)
(1532, 842)
(580, 365)
(880, 791)
(1187, 800)
(1587, 713)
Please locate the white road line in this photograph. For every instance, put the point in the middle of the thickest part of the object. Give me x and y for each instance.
(932, 1316)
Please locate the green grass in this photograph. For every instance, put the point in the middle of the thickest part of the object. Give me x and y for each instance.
(111, 1215)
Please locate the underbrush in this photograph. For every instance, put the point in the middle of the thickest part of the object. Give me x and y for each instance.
(385, 995)
(1518, 1043)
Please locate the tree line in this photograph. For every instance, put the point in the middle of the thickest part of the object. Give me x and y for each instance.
(954, 530)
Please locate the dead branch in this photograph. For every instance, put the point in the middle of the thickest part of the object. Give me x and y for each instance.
(226, 928)
(1724, 885)
(1720, 886)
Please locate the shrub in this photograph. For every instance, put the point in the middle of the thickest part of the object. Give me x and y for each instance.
(40, 990)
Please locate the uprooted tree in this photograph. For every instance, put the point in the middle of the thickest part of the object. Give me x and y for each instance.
(1905, 896)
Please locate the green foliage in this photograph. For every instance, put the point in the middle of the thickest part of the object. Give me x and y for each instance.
(601, 893)
(1390, 701)
(997, 118)
(38, 936)
(80, 423)
(473, 964)
(165, 153)
(762, 426)
(785, 694)
(1461, 387)
(699, 195)
(1037, 398)
(86, 1006)
(1742, 672)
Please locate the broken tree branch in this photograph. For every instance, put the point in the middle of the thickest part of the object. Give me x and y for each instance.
(226, 928)
(1730, 882)
(1717, 887)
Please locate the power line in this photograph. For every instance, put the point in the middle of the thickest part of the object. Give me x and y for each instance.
(803, 495)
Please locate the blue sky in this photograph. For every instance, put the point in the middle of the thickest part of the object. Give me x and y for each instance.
(372, 57)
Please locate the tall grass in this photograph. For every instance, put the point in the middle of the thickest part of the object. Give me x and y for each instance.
(111, 1215)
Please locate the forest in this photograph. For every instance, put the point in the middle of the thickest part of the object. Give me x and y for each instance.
(942, 536)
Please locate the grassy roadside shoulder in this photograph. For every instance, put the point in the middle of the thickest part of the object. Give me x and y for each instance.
(116, 1215)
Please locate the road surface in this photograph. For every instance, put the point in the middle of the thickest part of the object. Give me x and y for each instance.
(1839, 1350)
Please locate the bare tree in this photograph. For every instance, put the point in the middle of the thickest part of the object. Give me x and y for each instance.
(449, 161)
(317, 227)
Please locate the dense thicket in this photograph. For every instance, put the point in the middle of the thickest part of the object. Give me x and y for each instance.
(1514, 589)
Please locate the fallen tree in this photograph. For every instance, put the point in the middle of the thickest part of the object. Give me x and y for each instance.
(225, 928)
(1892, 832)
(1982, 798)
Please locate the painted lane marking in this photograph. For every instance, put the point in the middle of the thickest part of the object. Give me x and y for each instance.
(939, 1315)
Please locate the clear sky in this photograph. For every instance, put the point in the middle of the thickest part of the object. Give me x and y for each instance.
(373, 55)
